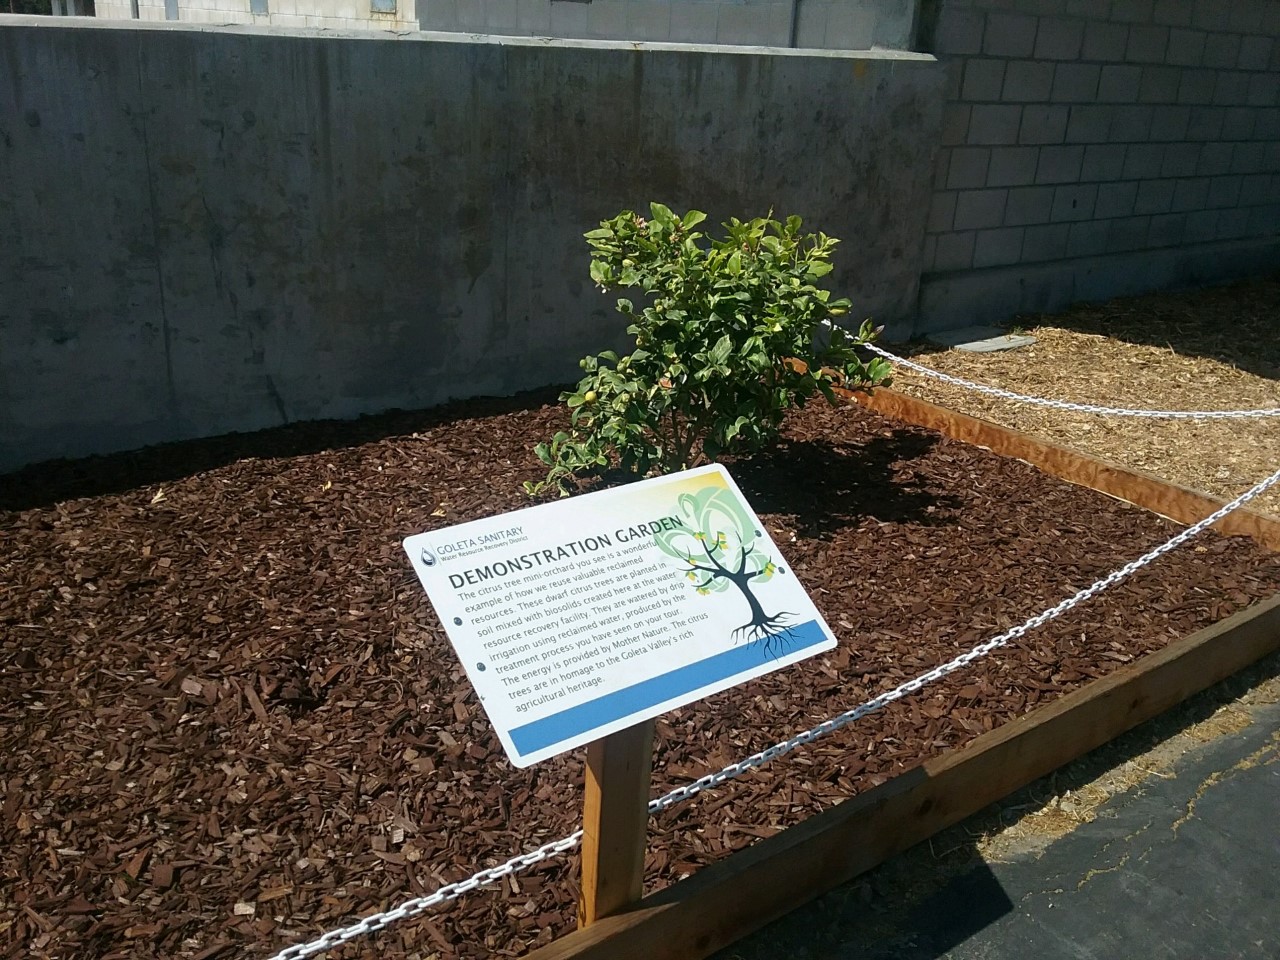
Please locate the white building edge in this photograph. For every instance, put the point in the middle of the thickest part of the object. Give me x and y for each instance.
(818, 24)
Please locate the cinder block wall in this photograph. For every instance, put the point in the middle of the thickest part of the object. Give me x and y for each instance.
(1098, 147)
(814, 24)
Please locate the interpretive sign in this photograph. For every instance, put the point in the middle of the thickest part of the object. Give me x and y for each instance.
(579, 618)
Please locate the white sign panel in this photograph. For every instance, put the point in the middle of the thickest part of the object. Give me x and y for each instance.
(579, 618)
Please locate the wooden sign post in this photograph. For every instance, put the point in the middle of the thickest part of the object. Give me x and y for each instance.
(579, 621)
(615, 822)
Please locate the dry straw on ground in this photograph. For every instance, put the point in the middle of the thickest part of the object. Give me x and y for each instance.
(1212, 349)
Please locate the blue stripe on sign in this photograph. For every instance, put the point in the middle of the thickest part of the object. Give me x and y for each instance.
(641, 696)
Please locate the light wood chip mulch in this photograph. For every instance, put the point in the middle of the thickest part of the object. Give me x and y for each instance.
(1214, 349)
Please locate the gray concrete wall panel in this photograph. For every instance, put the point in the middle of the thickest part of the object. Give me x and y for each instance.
(206, 231)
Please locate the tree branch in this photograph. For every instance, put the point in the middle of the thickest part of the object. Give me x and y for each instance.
(712, 557)
(715, 572)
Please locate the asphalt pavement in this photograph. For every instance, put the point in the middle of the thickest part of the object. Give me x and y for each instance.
(1180, 862)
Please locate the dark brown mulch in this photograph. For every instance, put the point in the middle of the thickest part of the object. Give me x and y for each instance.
(229, 719)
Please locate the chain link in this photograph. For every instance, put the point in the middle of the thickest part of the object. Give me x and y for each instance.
(959, 662)
(1068, 405)
(420, 905)
(555, 848)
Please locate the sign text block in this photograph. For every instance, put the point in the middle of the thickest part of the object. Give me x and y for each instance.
(579, 618)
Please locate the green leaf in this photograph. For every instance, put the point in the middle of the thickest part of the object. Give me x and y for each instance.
(661, 213)
(721, 351)
(692, 219)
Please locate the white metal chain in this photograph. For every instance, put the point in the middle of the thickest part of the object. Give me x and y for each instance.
(419, 905)
(963, 660)
(1067, 404)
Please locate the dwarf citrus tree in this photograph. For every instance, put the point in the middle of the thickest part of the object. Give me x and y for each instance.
(711, 369)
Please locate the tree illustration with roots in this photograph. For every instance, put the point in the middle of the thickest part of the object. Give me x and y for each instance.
(717, 550)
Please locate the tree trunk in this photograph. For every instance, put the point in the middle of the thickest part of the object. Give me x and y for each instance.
(758, 616)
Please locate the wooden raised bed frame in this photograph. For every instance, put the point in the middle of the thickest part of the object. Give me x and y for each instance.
(1158, 496)
(730, 899)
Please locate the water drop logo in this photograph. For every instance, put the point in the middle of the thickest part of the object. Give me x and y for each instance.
(428, 557)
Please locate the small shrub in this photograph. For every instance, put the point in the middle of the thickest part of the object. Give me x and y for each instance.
(712, 366)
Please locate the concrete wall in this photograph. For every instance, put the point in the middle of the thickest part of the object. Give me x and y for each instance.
(819, 24)
(210, 230)
(347, 15)
(1097, 147)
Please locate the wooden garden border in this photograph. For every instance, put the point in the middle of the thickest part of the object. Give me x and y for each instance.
(728, 900)
(1158, 496)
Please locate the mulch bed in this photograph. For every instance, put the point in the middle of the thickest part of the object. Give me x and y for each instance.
(229, 719)
(1212, 349)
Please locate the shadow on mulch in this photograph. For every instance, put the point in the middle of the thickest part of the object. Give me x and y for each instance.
(50, 482)
(855, 482)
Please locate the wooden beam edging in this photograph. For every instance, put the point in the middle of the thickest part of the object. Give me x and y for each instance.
(1158, 496)
(728, 900)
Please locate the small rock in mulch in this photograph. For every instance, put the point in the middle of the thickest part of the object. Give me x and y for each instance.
(229, 719)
